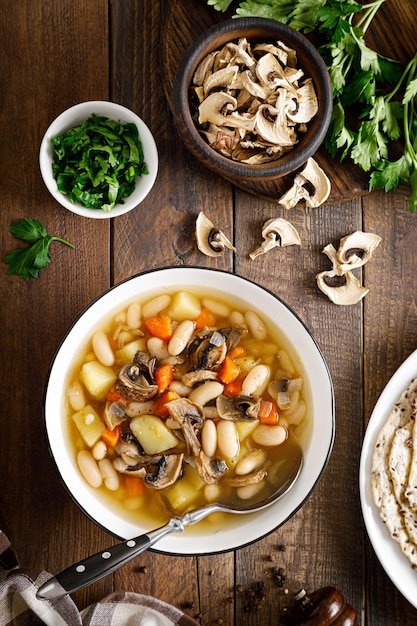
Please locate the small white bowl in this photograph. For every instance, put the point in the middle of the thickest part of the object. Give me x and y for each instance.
(77, 114)
(242, 529)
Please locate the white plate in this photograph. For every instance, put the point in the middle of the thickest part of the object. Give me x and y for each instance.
(388, 551)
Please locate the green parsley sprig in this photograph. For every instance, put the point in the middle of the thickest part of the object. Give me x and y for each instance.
(360, 79)
(29, 261)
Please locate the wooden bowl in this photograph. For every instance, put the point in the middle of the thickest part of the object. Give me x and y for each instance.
(256, 30)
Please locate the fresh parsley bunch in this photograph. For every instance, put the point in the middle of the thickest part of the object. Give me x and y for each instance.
(374, 100)
(29, 261)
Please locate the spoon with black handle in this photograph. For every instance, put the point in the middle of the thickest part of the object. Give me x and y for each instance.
(95, 567)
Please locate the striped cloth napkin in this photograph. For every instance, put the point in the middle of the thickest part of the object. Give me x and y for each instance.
(20, 607)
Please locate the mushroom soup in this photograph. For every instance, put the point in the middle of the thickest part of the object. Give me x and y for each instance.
(183, 399)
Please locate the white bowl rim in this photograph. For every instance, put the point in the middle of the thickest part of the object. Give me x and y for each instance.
(311, 471)
(81, 112)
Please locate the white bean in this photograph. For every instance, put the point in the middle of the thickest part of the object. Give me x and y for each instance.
(123, 338)
(89, 468)
(296, 416)
(227, 439)
(110, 476)
(102, 348)
(76, 396)
(266, 435)
(99, 450)
(181, 337)
(157, 348)
(120, 317)
(285, 362)
(133, 315)
(249, 491)
(211, 493)
(251, 462)
(256, 325)
(155, 306)
(216, 307)
(179, 388)
(256, 381)
(139, 408)
(236, 318)
(206, 392)
(209, 437)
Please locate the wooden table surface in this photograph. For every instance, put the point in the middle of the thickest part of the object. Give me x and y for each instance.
(55, 54)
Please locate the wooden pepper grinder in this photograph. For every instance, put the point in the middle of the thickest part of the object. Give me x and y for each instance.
(323, 607)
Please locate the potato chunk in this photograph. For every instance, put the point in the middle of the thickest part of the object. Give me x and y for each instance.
(184, 306)
(152, 434)
(89, 424)
(127, 353)
(97, 378)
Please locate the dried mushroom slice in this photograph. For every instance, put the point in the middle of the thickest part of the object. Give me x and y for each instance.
(356, 249)
(345, 289)
(277, 232)
(210, 240)
(310, 184)
(339, 284)
(213, 107)
(259, 95)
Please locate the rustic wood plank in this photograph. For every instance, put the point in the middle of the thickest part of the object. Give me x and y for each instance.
(290, 274)
(389, 338)
(160, 232)
(53, 59)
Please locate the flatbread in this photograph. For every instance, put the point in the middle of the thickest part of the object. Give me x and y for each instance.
(399, 469)
(411, 491)
(382, 485)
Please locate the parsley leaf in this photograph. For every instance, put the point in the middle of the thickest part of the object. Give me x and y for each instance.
(95, 159)
(29, 261)
(219, 5)
(368, 114)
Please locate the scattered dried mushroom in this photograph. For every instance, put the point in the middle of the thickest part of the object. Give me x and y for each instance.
(311, 184)
(252, 103)
(210, 240)
(339, 284)
(277, 232)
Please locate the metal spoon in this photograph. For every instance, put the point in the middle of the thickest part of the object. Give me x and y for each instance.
(97, 566)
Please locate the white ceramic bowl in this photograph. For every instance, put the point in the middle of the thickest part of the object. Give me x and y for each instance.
(242, 529)
(77, 114)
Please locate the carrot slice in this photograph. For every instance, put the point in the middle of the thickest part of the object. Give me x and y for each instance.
(229, 370)
(159, 406)
(111, 437)
(268, 412)
(160, 327)
(113, 395)
(233, 389)
(164, 375)
(237, 352)
(134, 486)
(206, 318)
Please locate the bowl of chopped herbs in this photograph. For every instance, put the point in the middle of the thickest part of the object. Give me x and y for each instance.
(98, 159)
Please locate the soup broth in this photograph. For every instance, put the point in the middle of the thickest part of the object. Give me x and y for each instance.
(182, 399)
